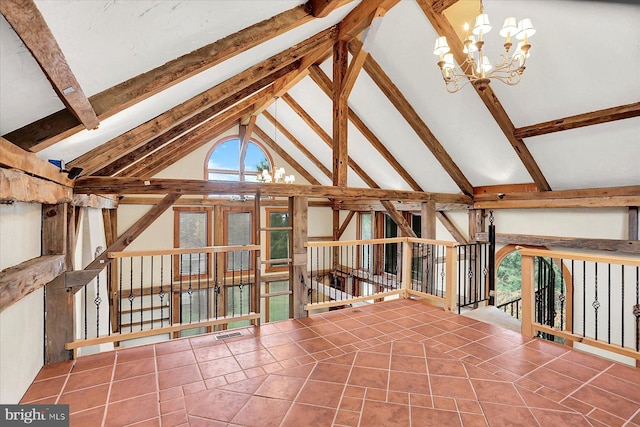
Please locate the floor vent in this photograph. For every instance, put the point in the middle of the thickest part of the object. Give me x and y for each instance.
(230, 335)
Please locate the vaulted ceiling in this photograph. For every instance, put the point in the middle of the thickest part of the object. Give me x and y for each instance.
(152, 72)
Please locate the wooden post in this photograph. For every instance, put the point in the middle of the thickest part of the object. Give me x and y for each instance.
(58, 303)
(406, 268)
(58, 321)
(528, 300)
(218, 265)
(428, 227)
(451, 298)
(257, 266)
(298, 269)
(340, 114)
(476, 225)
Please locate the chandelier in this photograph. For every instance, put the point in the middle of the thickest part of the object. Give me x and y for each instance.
(279, 176)
(476, 67)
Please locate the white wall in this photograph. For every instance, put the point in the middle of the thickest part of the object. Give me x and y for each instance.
(21, 324)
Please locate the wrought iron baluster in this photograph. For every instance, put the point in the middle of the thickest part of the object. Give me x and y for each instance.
(131, 294)
(141, 292)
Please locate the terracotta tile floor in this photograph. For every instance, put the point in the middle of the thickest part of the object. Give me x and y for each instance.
(354, 367)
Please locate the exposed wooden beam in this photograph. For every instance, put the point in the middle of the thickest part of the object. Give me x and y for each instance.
(440, 5)
(361, 55)
(413, 119)
(360, 18)
(632, 229)
(26, 20)
(163, 139)
(322, 8)
(584, 198)
(298, 145)
(582, 202)
(19, 281)
(345, 224)
(95, 201)
(246, 130)
(623, 246)
(133, 232)
(505, 188)
(428, 220)
(285, 156)
(451, 228)
(399, 219)
(286, 82)
(323, 81)
(340, 149)
(55, 127)
(199, 201)
(185, 144)
(403, 206)
(13, 156)
(580, 120)
(17, 186)
(177, 119)
(326, 138)
(115, 185)
(491, 101)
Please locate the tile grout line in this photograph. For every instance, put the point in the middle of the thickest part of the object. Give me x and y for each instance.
(106, 403)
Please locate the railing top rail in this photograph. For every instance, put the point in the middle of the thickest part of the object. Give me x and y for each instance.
(353, 242)
(432, 242)
(378, 241)
(179, 251)
(580, 256)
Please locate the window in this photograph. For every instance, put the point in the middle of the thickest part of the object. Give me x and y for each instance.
(228, 161)
(277, 307)
(238, 230)
(365, 232)
(277, 243)
(192, 229)
(390, 229)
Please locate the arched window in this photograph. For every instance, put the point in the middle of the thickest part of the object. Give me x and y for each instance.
(228, 161)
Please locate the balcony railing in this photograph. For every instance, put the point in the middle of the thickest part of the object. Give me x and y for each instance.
(170, 292)
(584, 298)
(569, 297)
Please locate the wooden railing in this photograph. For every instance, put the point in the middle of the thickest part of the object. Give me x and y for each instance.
(348, 272)
(594, 299)
(164, 292)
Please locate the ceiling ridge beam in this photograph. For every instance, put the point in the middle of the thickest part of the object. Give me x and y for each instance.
(295, 141)
(297, 108)
(286, 156)
(28, 23)
(140, 185)
(405, 109)
(580, 120)
(323, 81)
(47, 131)
(271, 68)
(491, 101)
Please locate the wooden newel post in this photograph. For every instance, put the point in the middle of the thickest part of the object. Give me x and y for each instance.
(407, 256)
(298, 269)
(450, 302)
(528, 300)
